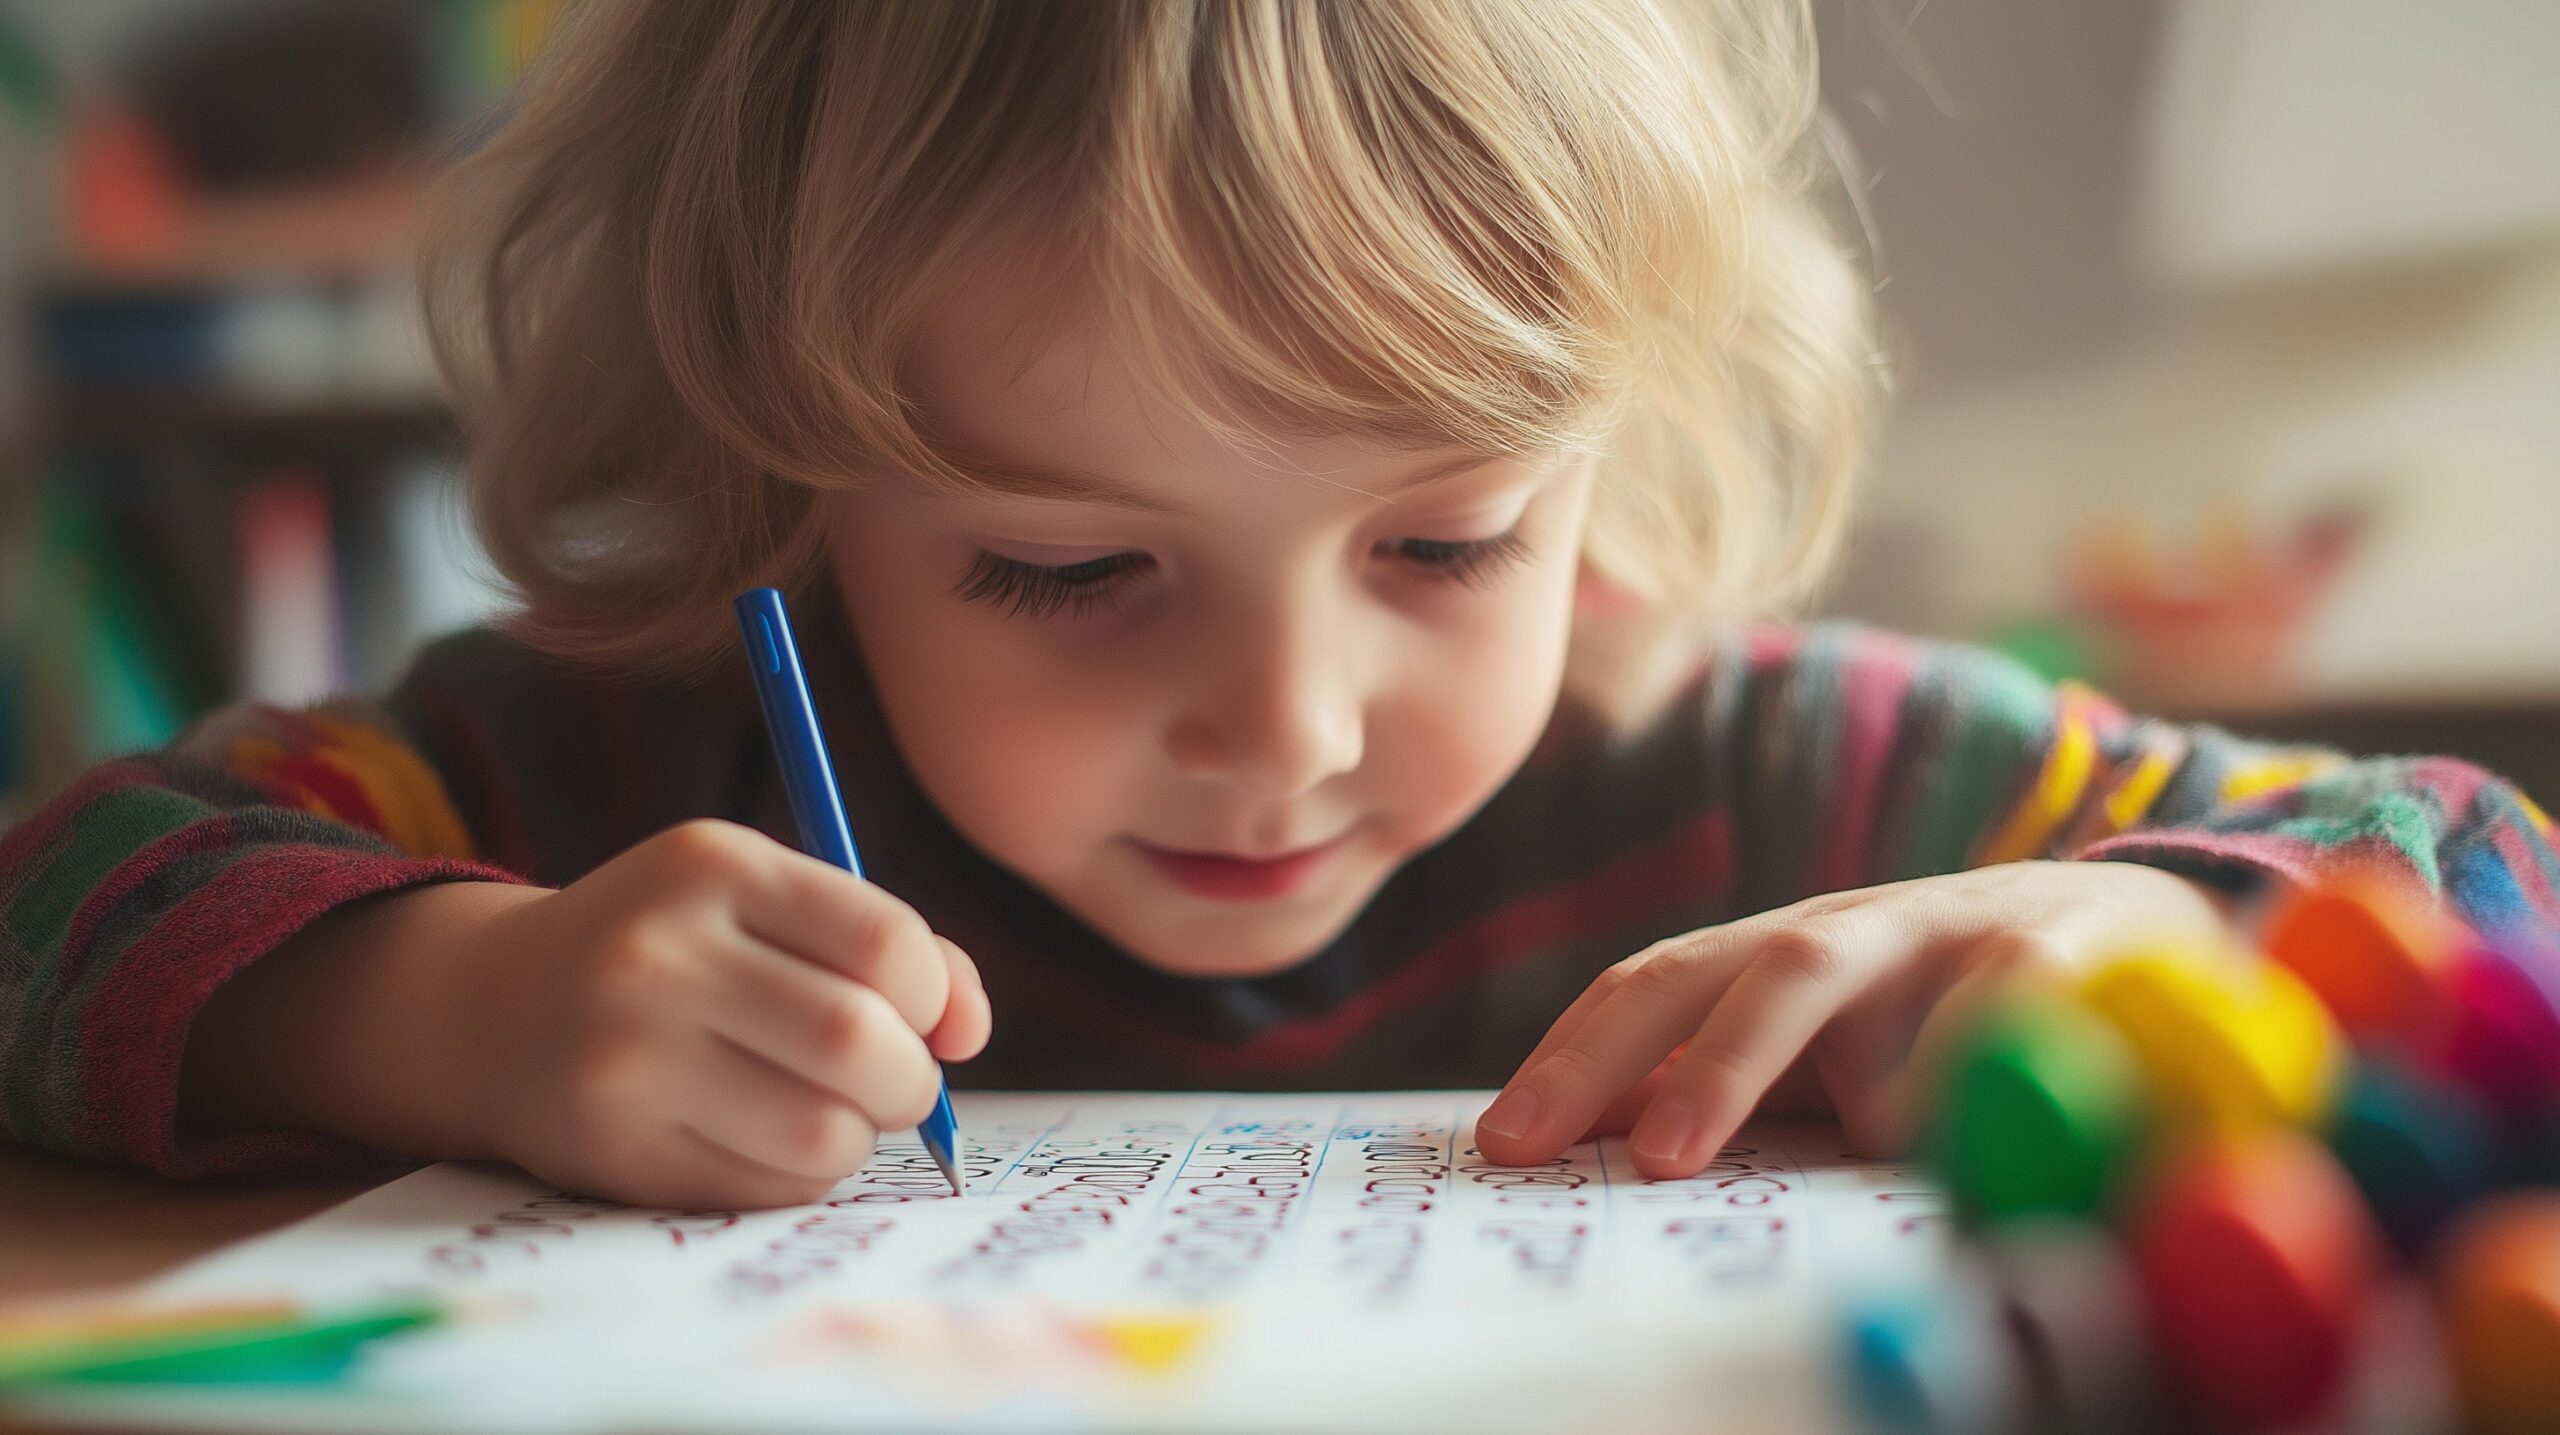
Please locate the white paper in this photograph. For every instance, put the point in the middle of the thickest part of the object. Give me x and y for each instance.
(1121, 1261)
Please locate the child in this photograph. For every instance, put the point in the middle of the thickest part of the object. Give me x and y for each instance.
(1271, 493)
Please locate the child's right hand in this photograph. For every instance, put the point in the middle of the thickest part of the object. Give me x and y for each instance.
(712, 1019)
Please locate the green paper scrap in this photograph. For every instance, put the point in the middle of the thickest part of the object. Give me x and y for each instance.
(299, 1351)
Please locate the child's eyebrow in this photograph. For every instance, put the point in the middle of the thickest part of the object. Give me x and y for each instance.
(1026, 479)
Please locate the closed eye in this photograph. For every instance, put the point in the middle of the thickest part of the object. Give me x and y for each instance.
(1475, 561)
(1040, 590)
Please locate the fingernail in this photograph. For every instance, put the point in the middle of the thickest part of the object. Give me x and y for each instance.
(1511, 1115)
(1665, 1132)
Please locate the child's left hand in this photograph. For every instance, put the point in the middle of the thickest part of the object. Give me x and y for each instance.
(1841, 988)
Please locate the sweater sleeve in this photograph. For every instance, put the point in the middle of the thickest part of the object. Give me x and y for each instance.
(132, 896)
(1863, 758)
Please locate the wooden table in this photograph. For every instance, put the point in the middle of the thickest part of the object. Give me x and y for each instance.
(70, 1227)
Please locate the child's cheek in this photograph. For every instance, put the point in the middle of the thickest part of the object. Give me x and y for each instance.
(1468, 708)
(1028, 757)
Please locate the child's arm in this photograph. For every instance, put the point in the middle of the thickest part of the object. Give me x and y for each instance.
(710, 1019)
(1865, 775)
(132, 896)
(280, 943)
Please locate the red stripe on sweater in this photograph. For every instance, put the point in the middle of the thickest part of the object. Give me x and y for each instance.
(1697, 861)
(133, 1026)
(344, 798)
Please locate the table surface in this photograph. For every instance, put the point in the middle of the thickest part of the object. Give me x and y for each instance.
(72, 1227)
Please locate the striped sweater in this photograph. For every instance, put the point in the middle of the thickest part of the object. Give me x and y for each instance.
(1795, 762)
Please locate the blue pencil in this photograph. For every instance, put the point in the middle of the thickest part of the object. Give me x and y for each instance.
(810, 780)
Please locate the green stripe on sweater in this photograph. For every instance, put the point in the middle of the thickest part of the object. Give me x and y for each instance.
(1998, 730)
(105, 834)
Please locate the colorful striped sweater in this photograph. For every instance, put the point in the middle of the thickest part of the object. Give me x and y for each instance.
(1796, 762)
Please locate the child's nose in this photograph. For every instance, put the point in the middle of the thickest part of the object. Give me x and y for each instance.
(1277, 715)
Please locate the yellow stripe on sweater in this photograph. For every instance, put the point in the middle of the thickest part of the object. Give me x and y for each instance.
(2276, 773)
(2057, 790)
(429, 827)
(2534, 814)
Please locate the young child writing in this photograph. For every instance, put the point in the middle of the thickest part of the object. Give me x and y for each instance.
(1273, 495)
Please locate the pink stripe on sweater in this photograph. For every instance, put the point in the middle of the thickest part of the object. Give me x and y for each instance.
(1873, 684)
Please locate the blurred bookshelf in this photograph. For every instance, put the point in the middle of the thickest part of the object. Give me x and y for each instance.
(226, 469)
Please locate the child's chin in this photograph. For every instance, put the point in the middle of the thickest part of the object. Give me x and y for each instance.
(1235, 949)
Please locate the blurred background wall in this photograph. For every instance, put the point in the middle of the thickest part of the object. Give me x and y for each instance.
(2228, 335)
(2279, 257)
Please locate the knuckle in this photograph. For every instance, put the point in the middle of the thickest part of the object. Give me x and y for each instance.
(1572, 1069)
(2024, 951)
(1715, 1067)
(636, 970)
(827, 1136)
(1806, 954)
(900, 933)
(843, 1025)
(858, 1144)
(604, 1079)
(1618, 973)
(1657, 977)
(704, 844)
(1666, 951)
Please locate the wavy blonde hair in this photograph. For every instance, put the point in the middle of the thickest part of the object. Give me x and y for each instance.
(675, 295)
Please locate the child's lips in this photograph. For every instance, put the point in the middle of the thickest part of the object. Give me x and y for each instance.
(1223, 877)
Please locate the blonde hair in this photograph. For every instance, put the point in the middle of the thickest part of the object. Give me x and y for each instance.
(675, 294)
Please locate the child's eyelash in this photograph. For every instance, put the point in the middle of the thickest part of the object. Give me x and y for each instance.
(1039, 590)
(1475, 561)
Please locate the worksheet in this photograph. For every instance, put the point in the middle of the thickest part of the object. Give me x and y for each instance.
(1120, 1261)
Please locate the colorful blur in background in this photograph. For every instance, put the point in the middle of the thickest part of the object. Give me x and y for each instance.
(2227, 336)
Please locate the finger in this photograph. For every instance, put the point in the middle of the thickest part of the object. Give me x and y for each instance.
(1863, 1064)
(1649, 1007)
(967, 1020)
(832, 1033)
(1783, 995)
(1622, 1112)
(687, 1172)
(1578, 1011)
(703, 1174)
(848, 926)
(1796, 1092)
(747, 1105)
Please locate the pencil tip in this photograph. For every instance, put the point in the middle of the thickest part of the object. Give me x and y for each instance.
(950, 1172)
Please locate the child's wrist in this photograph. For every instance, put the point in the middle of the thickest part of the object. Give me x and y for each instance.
(364, 1026)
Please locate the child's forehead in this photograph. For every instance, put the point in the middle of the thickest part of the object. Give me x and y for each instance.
(1065, 416)
(1029, 382)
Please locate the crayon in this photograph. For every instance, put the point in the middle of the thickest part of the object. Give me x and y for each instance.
(2256, 1258)
(2228, 1044)
(2499, 1293)
(2043, 1112)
